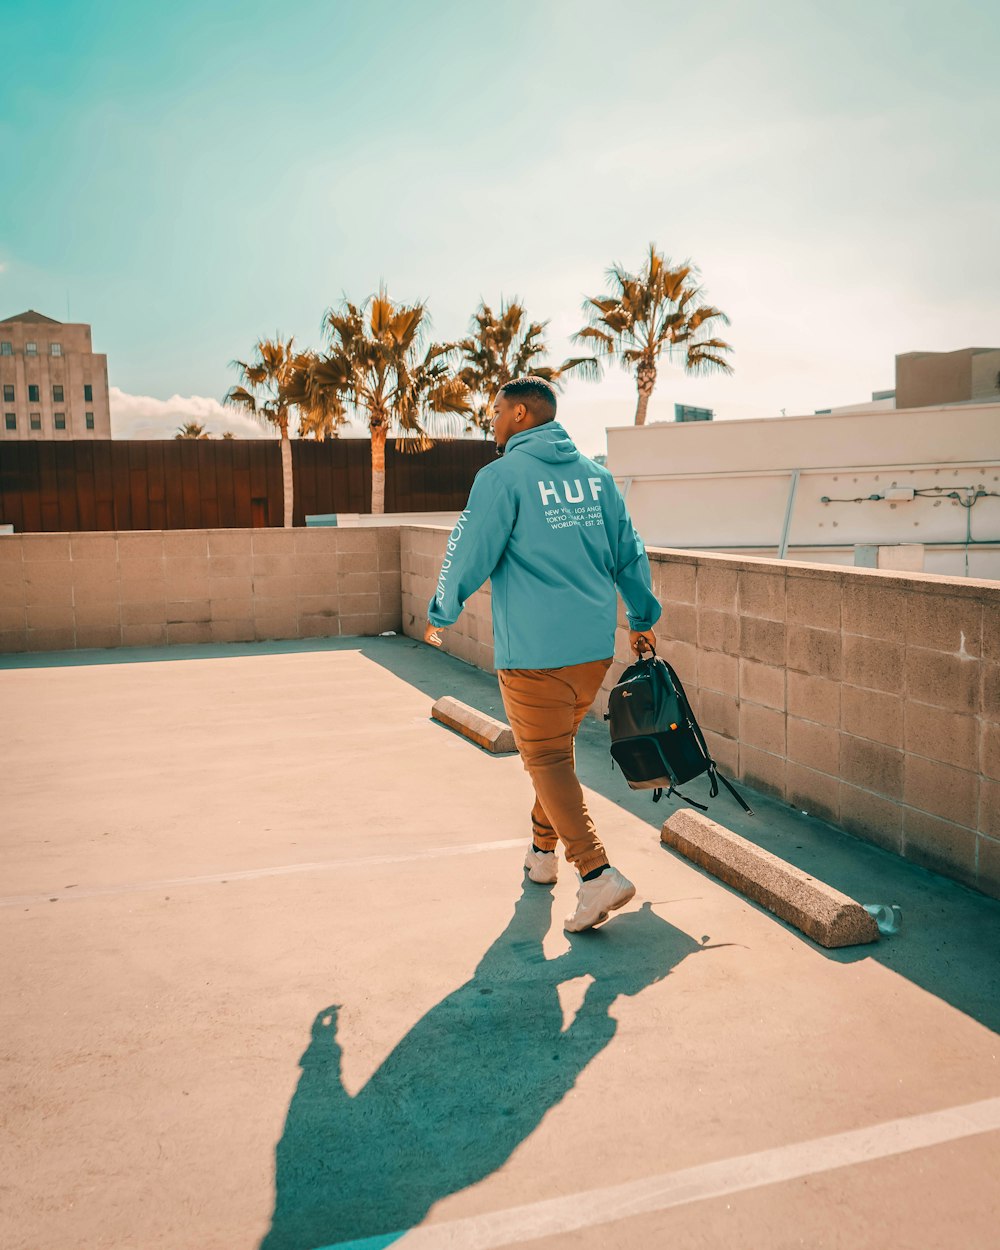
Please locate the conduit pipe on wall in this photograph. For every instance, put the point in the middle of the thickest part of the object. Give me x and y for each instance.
(793, 487)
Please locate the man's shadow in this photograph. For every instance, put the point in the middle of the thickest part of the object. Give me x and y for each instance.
(470, 1081)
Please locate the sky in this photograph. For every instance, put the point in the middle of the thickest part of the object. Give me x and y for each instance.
(190, 177)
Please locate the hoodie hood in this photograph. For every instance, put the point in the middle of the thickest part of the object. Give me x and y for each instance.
(548, 442)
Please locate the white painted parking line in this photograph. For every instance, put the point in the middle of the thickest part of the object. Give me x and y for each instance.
(518, 1225)
(251, 874)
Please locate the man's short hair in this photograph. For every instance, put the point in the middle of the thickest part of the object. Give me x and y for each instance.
(537, 395)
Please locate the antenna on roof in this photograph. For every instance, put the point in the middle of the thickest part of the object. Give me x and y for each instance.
(67, 303)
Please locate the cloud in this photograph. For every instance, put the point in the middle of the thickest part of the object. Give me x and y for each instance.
(142, 416)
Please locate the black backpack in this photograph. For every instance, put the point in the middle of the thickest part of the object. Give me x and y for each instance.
(655, 739)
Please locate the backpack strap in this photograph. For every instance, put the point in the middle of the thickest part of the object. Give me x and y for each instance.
(737, 796)
(713, 772)
(658, 794)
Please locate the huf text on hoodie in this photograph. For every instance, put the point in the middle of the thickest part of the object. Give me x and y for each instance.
(550, 530)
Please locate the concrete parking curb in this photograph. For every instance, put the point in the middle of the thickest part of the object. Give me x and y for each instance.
(492, 735)
(821, 912)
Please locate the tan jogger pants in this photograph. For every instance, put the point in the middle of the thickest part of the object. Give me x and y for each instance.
(545, 707)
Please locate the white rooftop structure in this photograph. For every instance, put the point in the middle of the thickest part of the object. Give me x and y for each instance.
(915, 488)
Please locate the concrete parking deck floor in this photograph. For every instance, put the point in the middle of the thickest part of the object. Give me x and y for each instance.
(271, 979)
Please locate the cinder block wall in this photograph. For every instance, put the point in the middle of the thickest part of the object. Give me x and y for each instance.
(60, 591)
(869, 699)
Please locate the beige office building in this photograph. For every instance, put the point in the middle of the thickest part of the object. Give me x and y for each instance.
(968, 376)
(54, 385)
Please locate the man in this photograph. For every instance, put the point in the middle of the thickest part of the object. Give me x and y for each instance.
(550, 529)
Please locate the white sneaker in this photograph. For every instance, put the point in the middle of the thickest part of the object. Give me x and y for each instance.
(596, 899)
(541, 867)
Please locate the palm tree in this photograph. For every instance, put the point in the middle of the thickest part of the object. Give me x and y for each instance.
(192, 429)
(229, 434)
(500, 348)
(377, 363)
(659, 309)
(272, 385)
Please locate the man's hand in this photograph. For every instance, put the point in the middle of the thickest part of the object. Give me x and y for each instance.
(431, 635)
(641, 640)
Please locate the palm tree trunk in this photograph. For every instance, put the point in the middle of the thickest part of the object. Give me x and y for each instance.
(286, 476)
(378, 470)
(645, 376)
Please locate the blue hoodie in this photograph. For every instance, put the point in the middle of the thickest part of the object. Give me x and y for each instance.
(550, 529)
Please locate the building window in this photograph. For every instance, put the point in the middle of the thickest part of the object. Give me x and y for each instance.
(10, 421)
(36, 420)
(88, 393)
(55, 349)
(60, 420)
(31, 349)
(32, 394)
(57, 394)
(6, 348)
(90, 420)
(8, 394)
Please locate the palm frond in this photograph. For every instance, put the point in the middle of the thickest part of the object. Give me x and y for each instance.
(605, 342)
(380, 313)
(701, 361)
(588, 367)
(414, 446)
(240, 397)
(706, 312)
(405, 325)
(603, 304)
(449, 395)
(244, 401)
